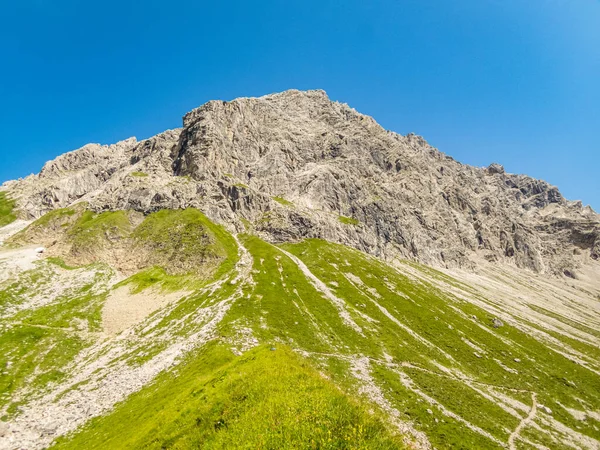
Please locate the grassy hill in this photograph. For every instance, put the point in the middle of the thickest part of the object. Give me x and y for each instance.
(268, 398)
(301, 345)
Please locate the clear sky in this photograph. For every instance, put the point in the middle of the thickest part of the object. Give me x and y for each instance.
(512, 81)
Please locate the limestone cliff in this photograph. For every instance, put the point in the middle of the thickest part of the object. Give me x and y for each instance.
(296, 165)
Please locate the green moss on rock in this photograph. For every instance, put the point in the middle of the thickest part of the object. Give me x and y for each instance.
(282, 201)
(348, 220)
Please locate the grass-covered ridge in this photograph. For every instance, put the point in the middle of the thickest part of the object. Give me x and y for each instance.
(181, 245)
(169, 247)
(92, 232)
(418, 326)
(179, 240)
(7, 207)
(52, 225)
(268, 398)
(435, 360)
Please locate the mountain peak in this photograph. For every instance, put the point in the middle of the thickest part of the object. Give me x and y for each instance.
(406, 199)
(255, 279)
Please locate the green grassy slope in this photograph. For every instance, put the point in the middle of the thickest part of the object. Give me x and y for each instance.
(450, 325)
(91, 232)
(351, 334)
(263, 399)
(182, 245)
(37, 344)
(179, 240)
(166, 243)
(6, 210)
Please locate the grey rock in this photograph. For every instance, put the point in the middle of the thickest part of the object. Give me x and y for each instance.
(497, 323)
(495, 168)
(289, 165)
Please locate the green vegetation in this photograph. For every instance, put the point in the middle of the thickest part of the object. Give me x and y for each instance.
(57, 215)
(282, 201)
(263, 399)
(138, 174)
(566, 321)
(85, 232)
(348, 220)
(288, 305)
(7, 207)
(186, 251)
(179, 248)
(59, 262)
(92, 231)
(182, 241)
(184, 178)
(158, 277)
(38, 343)
(433, 357)
(53, 221)
(178, 231)
(247, 224)
(241, 185)
(49, 227)
(449, 325)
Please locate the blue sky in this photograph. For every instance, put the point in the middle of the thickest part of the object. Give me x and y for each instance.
(517, 82)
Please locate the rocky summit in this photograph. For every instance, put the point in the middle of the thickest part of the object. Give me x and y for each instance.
(296, 165)
(282, 272)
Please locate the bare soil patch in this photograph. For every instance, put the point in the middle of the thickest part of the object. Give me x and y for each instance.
(124, 309)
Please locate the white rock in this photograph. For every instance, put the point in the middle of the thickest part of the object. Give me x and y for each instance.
(328, 160)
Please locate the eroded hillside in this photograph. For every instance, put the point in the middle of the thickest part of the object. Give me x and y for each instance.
(278, 346)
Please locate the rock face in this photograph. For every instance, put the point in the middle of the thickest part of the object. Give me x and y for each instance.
(296, 165)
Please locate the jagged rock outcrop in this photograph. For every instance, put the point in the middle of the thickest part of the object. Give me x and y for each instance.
(296, 165)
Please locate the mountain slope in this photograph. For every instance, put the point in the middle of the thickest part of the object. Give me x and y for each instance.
(256, 280)
(295, 164)
(213, 400)
(426, 349)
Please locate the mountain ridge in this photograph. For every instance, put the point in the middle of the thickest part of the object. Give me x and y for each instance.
(255, 280)
(326, 161)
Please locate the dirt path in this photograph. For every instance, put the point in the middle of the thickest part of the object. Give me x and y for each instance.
(515, 434)
(12, 229)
